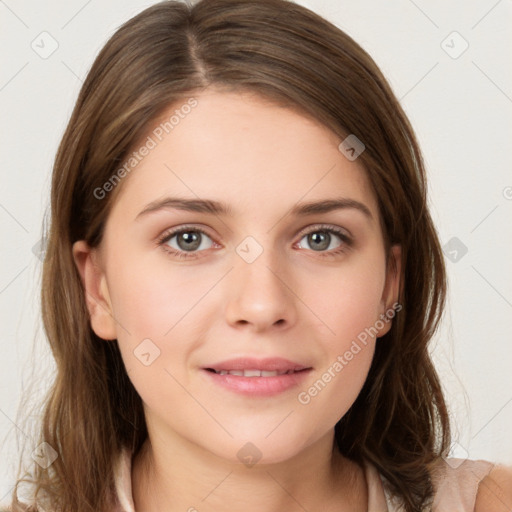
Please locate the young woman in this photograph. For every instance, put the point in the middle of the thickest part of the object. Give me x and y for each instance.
(241, 280)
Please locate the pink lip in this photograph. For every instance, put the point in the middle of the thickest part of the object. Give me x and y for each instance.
(258, 386)
(251, 363)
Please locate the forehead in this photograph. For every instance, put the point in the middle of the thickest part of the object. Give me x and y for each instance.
(244, 150)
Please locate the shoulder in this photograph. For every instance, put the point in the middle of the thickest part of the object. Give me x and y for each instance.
(455, 483)
(463, 485)
(495, 491)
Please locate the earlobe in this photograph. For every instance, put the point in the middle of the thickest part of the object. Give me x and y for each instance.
(391, 293)
(95, 286)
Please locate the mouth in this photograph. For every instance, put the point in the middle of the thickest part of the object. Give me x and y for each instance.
(257, 377)
(254, 373)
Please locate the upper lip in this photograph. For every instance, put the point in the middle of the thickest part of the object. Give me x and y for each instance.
(251, 363)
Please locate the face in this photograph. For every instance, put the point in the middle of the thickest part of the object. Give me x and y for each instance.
(243, 273)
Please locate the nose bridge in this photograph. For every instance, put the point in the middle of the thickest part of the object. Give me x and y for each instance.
(259, 293)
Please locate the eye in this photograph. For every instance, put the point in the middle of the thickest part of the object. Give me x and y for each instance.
(326, 239)
(185, 242)
(188, 241)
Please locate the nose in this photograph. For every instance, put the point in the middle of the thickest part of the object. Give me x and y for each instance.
(260, 297)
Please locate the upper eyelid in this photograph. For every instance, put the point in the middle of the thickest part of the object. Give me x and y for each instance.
(324, 227)
(169, 233)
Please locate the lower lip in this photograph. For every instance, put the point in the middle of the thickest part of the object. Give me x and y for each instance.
(259, 386)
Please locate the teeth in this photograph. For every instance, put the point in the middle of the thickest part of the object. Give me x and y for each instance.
(252, 373)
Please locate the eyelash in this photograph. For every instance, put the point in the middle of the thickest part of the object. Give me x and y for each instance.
(346, 241)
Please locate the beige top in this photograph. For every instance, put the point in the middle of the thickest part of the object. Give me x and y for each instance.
(456, 486)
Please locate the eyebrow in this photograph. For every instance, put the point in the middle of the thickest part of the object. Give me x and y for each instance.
(217, 208)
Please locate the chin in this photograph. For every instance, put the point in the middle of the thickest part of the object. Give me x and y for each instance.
(254, 448)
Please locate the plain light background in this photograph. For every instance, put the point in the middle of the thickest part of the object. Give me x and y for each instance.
(459, 101)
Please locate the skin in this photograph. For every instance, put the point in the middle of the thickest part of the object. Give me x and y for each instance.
(293, 301)
(495, 491)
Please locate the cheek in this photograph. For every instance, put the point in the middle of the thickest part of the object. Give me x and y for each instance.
(160, 320)
(335, 387)
(151, 298)
(346, 357)
(346, 301)
(349, 305)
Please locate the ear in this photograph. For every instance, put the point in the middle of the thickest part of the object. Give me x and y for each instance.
(96, 290)
(391, 292)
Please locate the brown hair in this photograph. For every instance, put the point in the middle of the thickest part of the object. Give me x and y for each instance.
(291, 56)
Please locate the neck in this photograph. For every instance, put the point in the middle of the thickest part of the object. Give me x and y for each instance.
(179, 476)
